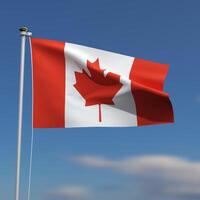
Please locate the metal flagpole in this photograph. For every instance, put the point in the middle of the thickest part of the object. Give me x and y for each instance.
(23, 32)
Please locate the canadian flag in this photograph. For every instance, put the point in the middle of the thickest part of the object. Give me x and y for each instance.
(79, 86)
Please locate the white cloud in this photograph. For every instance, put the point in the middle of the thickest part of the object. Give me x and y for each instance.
(163, 175)
(71, 192)
(93, 161)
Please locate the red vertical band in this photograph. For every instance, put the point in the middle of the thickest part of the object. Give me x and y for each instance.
(152, 103)
(48, 83)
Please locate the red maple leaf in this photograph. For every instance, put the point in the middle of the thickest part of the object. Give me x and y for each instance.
(97, 88)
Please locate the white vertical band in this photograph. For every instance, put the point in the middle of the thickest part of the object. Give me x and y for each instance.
(122, 113)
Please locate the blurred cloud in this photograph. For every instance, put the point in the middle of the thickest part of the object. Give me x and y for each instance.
(158, 177)
(70, 192)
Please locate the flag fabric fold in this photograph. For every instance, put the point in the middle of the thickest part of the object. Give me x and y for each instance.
(79, 86)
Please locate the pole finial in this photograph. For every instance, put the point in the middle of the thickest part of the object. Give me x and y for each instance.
(23, 29)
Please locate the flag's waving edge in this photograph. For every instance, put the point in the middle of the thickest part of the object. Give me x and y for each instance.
(78, 86)
(152, 103)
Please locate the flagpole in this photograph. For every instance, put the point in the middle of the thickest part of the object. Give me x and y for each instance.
(24, 33)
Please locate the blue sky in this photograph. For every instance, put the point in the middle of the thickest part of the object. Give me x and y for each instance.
(154, 162)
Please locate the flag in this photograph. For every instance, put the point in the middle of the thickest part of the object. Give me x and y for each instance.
(79, 86)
